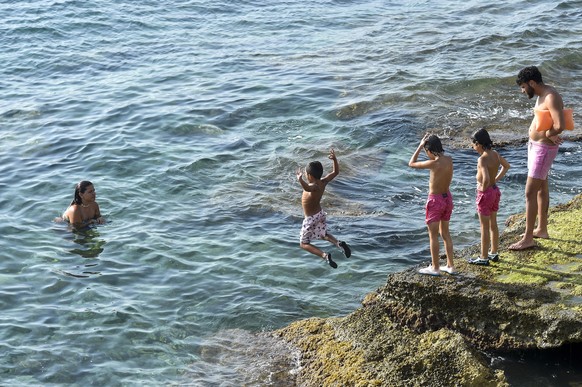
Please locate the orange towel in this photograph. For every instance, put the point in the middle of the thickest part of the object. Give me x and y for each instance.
(545, 121)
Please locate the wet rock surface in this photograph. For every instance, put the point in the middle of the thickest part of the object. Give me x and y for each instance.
(501, 138)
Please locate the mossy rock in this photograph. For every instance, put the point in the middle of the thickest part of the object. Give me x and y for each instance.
(422, 330)
(367, 349)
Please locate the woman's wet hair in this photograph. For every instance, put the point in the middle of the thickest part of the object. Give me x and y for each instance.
(80, 188)
(482, 138)
(527, 74)
(434, 145)
(315, 169)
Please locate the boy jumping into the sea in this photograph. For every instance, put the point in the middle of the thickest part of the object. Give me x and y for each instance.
(314, 225)
(488, 195)
(439, 204)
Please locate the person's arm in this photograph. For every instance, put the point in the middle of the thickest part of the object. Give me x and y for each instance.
(98, 218)
(413, 163)
(555, 106)
(504, 168)
(335, 171)
(306, 186)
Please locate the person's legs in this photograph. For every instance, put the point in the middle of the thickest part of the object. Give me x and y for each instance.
(485, 222)
(532, 186)
(540, 159)
(342, 245)
(448, 241)
(494, 233)
(312, 249)
(331, 239)
(313, 227)
(433, 234)
(541, 231)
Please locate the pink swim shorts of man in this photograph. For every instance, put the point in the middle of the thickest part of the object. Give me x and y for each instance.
(313, 227)
(488, 201)
(539, 159)
(439, 207)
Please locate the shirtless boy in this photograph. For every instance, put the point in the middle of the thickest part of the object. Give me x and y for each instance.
(542, 150)
(439, 204)
(488, 195)
(314, 225)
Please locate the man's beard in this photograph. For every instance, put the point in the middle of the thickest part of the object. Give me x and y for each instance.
(529, 91)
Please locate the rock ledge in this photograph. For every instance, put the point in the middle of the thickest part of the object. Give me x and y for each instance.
(422, 330)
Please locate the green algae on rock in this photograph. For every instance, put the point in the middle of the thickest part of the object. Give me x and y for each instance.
(508, 305)
(558, 259)
(367, 349)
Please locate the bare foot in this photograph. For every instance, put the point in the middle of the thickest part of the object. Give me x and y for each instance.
(522, 245)
(538, 234)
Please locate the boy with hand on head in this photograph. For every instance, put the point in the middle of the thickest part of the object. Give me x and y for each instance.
(488, 195)
(314, 225)
(439, 204)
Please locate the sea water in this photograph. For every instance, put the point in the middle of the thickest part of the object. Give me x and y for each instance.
(191, 118)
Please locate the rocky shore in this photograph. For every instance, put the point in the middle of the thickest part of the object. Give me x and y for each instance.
(503, 138)
(434, 331)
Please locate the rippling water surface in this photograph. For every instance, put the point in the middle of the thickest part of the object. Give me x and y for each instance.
(191, 118)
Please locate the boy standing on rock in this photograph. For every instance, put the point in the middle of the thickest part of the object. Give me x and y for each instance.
(314, 225)
(488, 195)
(439, 205)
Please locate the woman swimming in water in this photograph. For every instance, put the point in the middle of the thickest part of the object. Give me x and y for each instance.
(84, 210)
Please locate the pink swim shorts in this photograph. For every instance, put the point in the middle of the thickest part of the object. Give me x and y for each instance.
(488, 201)
(313, 227)
(539, 159)
(439, 207)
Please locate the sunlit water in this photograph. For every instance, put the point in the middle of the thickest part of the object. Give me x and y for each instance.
(191, 118)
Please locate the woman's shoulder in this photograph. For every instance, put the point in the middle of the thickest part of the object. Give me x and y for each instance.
(73, 208)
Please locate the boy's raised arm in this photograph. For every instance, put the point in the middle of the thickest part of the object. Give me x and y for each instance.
(329, 177)
(413, 163)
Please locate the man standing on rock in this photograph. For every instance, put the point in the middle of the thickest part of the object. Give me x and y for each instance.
(544, 140)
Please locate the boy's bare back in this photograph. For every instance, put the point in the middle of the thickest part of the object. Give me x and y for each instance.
(487, 167)
(314, 188)
(441, 175)
(311, 200)
(439, 165)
